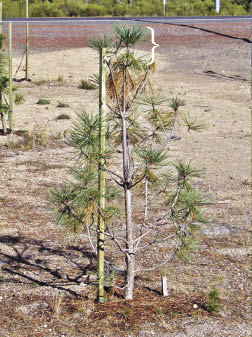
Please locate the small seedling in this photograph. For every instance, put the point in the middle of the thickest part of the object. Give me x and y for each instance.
(173, 314)
(62, 105)
(160, 311)
(126, 313)
(86, 84)
(62, 116)
(213, 301)
(19, 98)
(43, 101)
(61, 79)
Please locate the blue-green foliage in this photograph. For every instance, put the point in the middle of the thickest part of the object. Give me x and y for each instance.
(82, 8)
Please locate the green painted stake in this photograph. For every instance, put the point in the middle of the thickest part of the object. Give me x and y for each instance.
(26, 40)
(101, 174)
(1, 16)
(11, 121)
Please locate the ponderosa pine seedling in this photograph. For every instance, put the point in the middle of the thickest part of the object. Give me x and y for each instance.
(213, 301)
(149, 202)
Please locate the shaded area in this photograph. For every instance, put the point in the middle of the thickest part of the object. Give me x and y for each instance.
(211, 73)
(39, 262)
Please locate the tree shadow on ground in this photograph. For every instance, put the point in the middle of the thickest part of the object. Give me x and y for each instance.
(244, 39)
(43, 263)
(211, 73)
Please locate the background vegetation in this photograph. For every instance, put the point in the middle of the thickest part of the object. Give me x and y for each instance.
(85, 8)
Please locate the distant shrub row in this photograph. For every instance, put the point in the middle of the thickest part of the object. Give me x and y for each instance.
(82, 8)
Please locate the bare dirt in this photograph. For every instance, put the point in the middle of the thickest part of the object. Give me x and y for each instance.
(43, 288)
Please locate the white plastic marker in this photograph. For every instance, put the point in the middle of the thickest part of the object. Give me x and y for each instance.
(153, 48)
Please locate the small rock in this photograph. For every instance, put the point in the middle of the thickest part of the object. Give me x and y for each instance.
(214, 231)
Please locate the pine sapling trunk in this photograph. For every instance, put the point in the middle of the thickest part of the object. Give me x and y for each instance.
(130, 256)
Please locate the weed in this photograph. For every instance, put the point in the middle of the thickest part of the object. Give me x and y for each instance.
(126, 313)
(85, 308)
(62, 116)
(33, 139)
(61, 79)
(43, 101)
(57, 303)
(160, 311)
(30, 140)
(19, 98)
(173, 314)
(213, 301)
(62, 135)
(86, 84)
(40, 82)
(59, 135)
(62, 105)
(246, 182)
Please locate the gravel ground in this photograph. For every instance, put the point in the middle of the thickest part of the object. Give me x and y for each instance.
(206, 65)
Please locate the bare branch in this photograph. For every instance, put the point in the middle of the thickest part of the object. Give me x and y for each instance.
(117, 175)
(155, 242)
(167, 259)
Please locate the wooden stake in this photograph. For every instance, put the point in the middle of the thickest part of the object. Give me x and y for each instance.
(26, 40)
(1, 95)
(11, 122)
(1, 16)
(101, 174)
(164, 285)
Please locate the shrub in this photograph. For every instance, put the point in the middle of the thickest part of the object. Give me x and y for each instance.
(19, 99)
(43, 101)
(45, 9)
(119, 10)
(62, 105)
(75, 8)
(94, 10)
(72, 7)
(37, 137)
(62, 116)
(86, 84)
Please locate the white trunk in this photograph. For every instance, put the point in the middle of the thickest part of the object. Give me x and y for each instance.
(146, 200)
(127, 167)
(130, 257)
